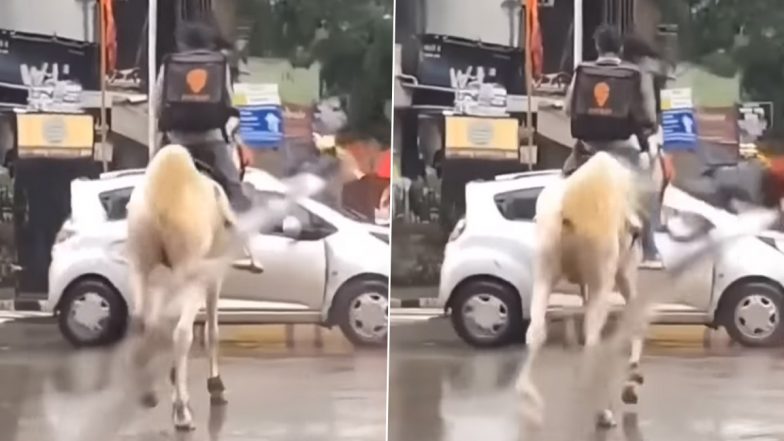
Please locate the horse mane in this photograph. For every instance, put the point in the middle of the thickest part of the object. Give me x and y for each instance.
(600, 200)
(182, 202)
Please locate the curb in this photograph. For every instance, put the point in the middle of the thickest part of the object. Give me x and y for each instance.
(285, 336)
(422, 302)
(288, 336)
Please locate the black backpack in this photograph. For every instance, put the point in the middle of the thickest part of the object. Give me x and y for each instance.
(195, 97)
(606, 101)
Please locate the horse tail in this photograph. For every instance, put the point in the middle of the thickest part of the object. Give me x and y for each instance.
(599, 200)
(176, 198)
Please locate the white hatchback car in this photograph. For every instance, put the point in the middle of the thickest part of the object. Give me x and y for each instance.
(486, 273)
(330, 270)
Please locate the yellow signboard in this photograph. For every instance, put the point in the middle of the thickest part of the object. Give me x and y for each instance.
(55, 135)
(482, 137)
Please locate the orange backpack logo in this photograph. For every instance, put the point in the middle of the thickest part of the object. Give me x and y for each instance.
(197, 79)
(601, 93)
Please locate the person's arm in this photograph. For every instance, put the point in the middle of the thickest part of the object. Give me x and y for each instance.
(568, 98)
(158, 91)
(648, 94)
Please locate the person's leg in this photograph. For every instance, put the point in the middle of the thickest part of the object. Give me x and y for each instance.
(576, 158)
(224, 165)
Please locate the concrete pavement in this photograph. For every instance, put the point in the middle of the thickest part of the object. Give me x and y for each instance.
(51, 392)
(31, 329)
(430, 325)
(443, 390)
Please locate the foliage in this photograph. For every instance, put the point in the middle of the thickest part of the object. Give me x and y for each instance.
(728, 36)
(351, 39)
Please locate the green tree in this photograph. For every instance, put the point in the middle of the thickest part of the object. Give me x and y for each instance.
(351, 39)
(730, 36)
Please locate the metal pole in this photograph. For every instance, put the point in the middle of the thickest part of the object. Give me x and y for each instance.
(104, 159)
(578, 33)
(152, 74)
(529, 81)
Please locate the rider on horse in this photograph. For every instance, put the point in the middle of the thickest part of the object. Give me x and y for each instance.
(612, 105)
(193, 103)
(610, 102)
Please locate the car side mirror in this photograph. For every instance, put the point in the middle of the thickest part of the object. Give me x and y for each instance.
(292, 227)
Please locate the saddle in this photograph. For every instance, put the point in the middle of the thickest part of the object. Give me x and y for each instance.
(203, 160)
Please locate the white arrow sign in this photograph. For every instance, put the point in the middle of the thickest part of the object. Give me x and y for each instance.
(273, 122)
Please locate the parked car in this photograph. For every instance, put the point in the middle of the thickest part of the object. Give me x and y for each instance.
(486, 277)
(330, 270)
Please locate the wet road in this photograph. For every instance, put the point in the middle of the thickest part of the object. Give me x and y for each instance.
(45, 389)
(440, 389)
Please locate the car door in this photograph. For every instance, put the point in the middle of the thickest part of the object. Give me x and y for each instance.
(519, 206)
(293, 269)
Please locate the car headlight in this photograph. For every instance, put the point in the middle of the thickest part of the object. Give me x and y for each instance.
(777, 244)
(684, 226)
(458, 230)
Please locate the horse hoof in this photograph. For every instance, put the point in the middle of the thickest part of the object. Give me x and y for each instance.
(605, 420)
(149, 400)
(629, 394)
(182, 418)
(533, 417)
(218, 400)
(215, 385)
(184, 427)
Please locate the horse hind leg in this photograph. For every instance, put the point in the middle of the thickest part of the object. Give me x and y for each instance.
(183, 339)
(215, 385)
(627, 285)
(536, 336)
(145, 325)
(595, 319)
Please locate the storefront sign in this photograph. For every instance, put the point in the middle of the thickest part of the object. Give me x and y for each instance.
(261, 126)
(256, 94)
(261, 115)
(51, 135)
(674, 99)
(718, 125)
(491, 138)
(455, 62)
(297, 121)
(753, 120)
(679, 130)
(30, 59)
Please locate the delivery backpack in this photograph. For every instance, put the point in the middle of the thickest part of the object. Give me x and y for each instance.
(605, 100)
(195, 97)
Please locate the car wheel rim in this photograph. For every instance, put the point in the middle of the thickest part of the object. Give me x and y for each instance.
(486, 316)
(757, 317)
(88, 316)
(368, 316)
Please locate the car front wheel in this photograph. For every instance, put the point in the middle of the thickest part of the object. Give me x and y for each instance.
(487, 314)
(92, 313)
(361, 309)
(751, 314)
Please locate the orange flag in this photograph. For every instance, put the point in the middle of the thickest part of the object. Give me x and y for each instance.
(110, 36)
(533, 37)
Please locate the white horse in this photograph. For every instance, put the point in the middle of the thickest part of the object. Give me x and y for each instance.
(589, 227)
(181, 228)
(177, 218)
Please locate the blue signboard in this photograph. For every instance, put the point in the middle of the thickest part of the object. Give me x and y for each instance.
(261, 126)
(679, 128)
